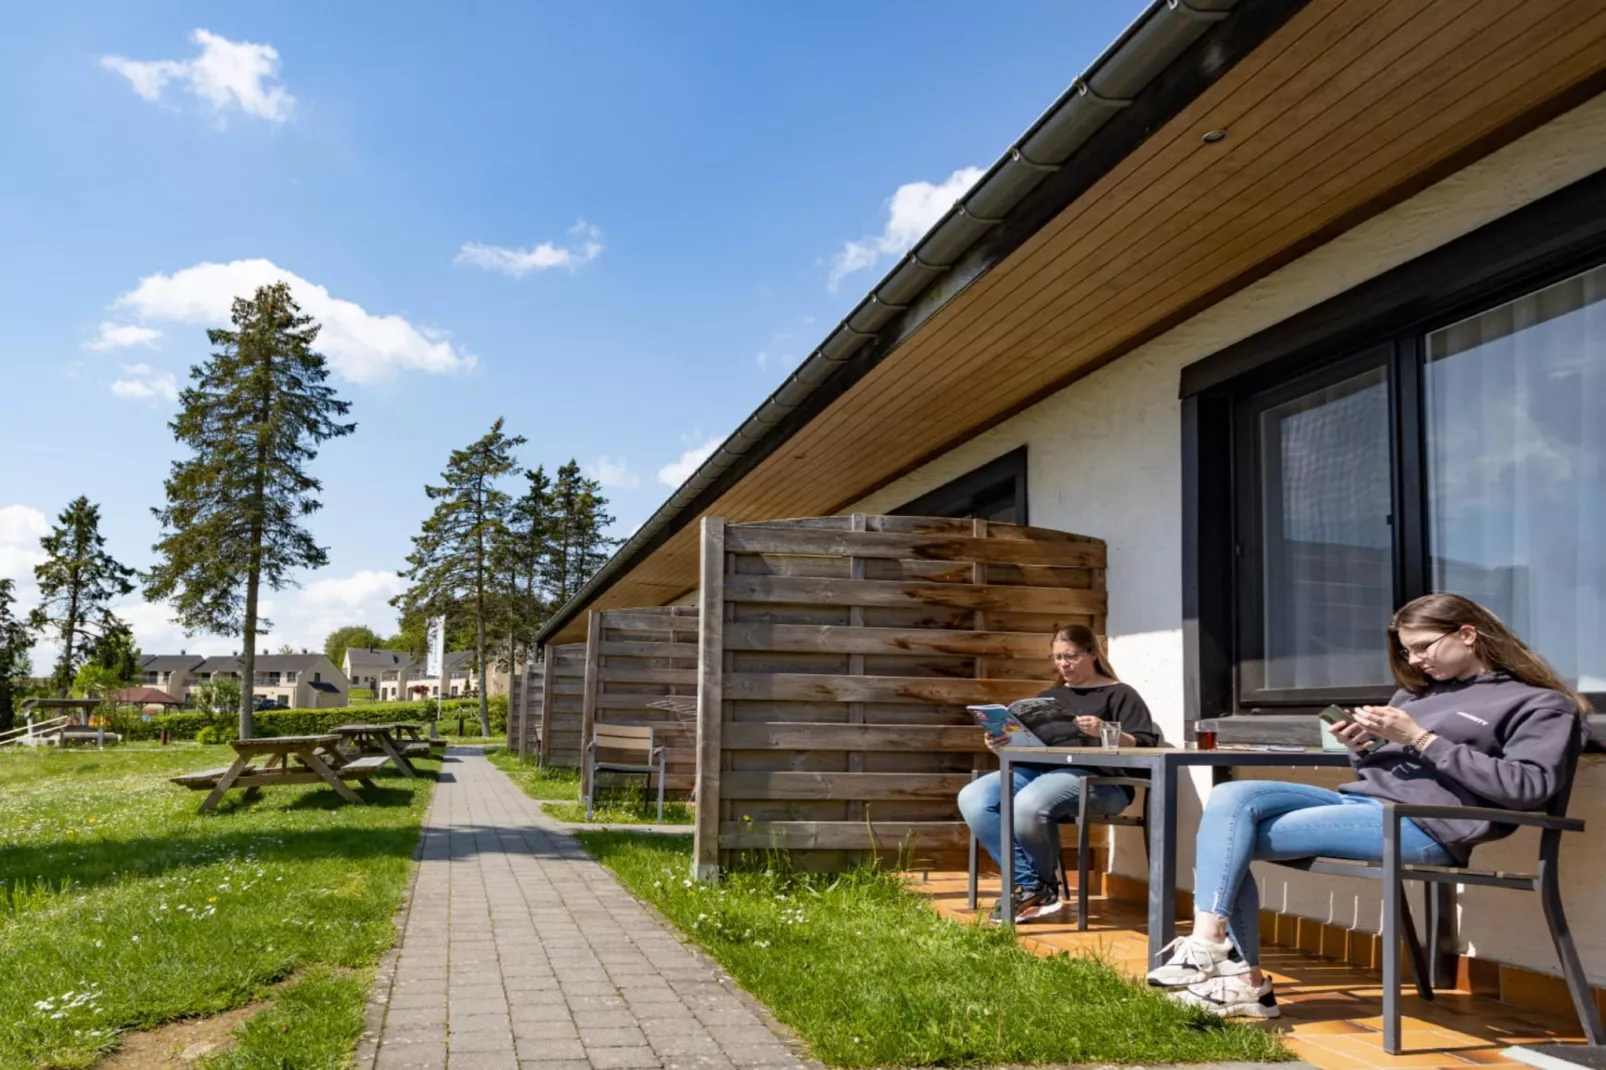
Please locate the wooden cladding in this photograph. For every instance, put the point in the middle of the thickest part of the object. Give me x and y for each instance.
(524, 694)
(637, 661)
(836, 656)
(562, 695)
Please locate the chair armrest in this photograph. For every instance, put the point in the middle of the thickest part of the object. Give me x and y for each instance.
(1123, 781)
(1486, 813)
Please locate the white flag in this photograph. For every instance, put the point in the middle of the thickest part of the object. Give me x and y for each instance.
(435, 660)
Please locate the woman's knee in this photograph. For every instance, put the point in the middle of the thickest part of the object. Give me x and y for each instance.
(1237, 794)
(979, 796)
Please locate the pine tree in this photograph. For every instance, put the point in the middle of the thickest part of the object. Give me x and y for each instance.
(252, 417)
(576, 547)
(451, 568)
(77, 581)
(15, 640)
(519, 563)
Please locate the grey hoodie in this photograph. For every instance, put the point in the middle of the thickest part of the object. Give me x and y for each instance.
(1502, 743)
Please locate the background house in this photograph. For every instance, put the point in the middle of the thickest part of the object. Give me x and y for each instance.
(173, 673)
(299, 681)
(385, 673)
(460, 677)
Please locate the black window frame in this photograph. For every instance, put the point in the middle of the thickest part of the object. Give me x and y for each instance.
(1000, 480)
(1543, 243)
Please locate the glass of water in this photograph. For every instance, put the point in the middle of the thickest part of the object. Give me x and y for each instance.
(1110, 735)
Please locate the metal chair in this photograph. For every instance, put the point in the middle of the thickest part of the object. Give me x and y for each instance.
(622, 744)
(1393, 873)
(1084, 820)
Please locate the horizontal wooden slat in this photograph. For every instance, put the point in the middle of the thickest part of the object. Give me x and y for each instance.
(809, 638)
(647, 620)
(631, 674)
(800, 591)
(852, 737)
(646, 649)
(800, 687)
(764, 539)
(866, 787)
(842, 835)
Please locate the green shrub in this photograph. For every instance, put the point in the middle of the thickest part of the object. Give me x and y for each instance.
(189, 724)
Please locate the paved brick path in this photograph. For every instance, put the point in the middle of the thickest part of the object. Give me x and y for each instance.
(519, 951)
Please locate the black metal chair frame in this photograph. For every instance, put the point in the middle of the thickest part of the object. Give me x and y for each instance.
(1440, 882)
(1084, 820)
(656, 759)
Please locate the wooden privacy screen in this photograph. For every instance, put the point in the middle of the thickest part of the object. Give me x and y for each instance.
(524, 694)
(837, 655)
(637, 659)
(563, 687)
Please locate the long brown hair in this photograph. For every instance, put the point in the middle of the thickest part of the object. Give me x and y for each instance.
(1082, 637)
(1497, 646)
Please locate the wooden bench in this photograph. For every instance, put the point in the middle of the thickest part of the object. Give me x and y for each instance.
(320, 762)
(618, 748)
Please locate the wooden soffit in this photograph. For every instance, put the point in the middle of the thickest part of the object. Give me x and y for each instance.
(1350, 107)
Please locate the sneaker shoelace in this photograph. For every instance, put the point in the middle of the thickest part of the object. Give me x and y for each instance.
(1189, 952)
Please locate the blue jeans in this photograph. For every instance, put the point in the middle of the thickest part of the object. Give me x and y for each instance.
(1276, 822)
(1043, 794)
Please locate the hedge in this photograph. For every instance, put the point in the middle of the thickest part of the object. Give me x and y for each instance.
(276, 722)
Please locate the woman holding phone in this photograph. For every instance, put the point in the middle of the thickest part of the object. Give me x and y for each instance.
(1086, 694)
(1478, 720)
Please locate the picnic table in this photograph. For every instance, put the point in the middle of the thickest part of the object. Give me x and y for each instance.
(375, 739)
(1162, 765)
(412, 743)
(318, 759)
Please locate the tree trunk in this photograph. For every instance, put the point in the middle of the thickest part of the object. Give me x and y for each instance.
(69, 634)
(479, 655)
(248, 657)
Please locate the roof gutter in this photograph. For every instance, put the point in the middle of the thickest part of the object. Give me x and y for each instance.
(938, 268)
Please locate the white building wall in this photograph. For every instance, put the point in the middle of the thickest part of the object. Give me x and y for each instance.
(1104, 459)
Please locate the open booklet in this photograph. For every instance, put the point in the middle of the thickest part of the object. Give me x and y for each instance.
(1004, 722)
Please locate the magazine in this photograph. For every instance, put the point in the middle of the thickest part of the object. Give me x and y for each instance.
(1002, 724)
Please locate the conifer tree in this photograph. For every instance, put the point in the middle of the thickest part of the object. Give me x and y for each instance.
(520, 559)
(576, 546)
(252, 417)
(451, 569)
(15, 639)
(77, 581)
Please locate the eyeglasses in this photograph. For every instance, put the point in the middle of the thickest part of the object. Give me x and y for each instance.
(1069, 658)
(1420, 650)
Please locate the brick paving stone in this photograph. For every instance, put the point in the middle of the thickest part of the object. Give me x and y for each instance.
(519, 951)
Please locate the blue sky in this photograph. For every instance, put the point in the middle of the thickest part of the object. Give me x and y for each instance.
(617, 225)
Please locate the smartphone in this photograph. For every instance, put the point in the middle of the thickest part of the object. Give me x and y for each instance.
(1335, 715)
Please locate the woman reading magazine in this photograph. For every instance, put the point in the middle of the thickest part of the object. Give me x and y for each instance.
(1086, 694)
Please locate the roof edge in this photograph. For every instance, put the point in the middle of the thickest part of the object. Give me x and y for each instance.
(1170, 54)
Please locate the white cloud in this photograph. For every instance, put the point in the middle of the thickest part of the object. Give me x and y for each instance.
(586, 247)
(763, 360)
(227, 74)
(912, 210)
(21, 528)
(361, 346)
(142, 382)
(673, 475)
(613, 473)
(123, 336)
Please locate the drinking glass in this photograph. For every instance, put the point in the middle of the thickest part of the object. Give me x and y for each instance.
(1205, 738)
(1110, 735)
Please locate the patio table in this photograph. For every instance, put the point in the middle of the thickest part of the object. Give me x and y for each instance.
(376, 738)
(1162, 764)
(318, 755)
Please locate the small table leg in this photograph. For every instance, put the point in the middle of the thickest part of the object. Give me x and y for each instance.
(388, 745)
(311, 760)
(1006, 839)
(224, 783)
(1162, 857)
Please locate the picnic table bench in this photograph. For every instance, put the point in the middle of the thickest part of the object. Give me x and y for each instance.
(319, 758)
(411, 742)
(372, 740)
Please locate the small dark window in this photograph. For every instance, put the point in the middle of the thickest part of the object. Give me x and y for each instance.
(995, 491)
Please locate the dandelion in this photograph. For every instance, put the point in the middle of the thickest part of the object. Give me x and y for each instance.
(211, 899)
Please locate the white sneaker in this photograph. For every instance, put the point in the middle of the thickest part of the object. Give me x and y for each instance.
(1194, 960)
(1232, 996)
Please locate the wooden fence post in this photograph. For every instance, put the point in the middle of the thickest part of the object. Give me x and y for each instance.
(588, 695)
(548, 674)
(710, 698)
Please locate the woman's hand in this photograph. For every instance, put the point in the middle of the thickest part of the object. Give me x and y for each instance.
(1355, 736)
(993, 742)
(1394, 725)
(1089, 725)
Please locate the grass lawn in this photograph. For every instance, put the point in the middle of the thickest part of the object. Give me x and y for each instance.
(559, 789)
(868, 975)
(121, 907)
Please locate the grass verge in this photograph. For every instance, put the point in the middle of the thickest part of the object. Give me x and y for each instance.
(559, 789)
(869, 975)
(314, 1023)
(538, 781)
(121, 907)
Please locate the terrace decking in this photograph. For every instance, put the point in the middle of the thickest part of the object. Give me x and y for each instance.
(1332, 1011)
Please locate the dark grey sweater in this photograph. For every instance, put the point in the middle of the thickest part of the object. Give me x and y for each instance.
(1502, 743)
